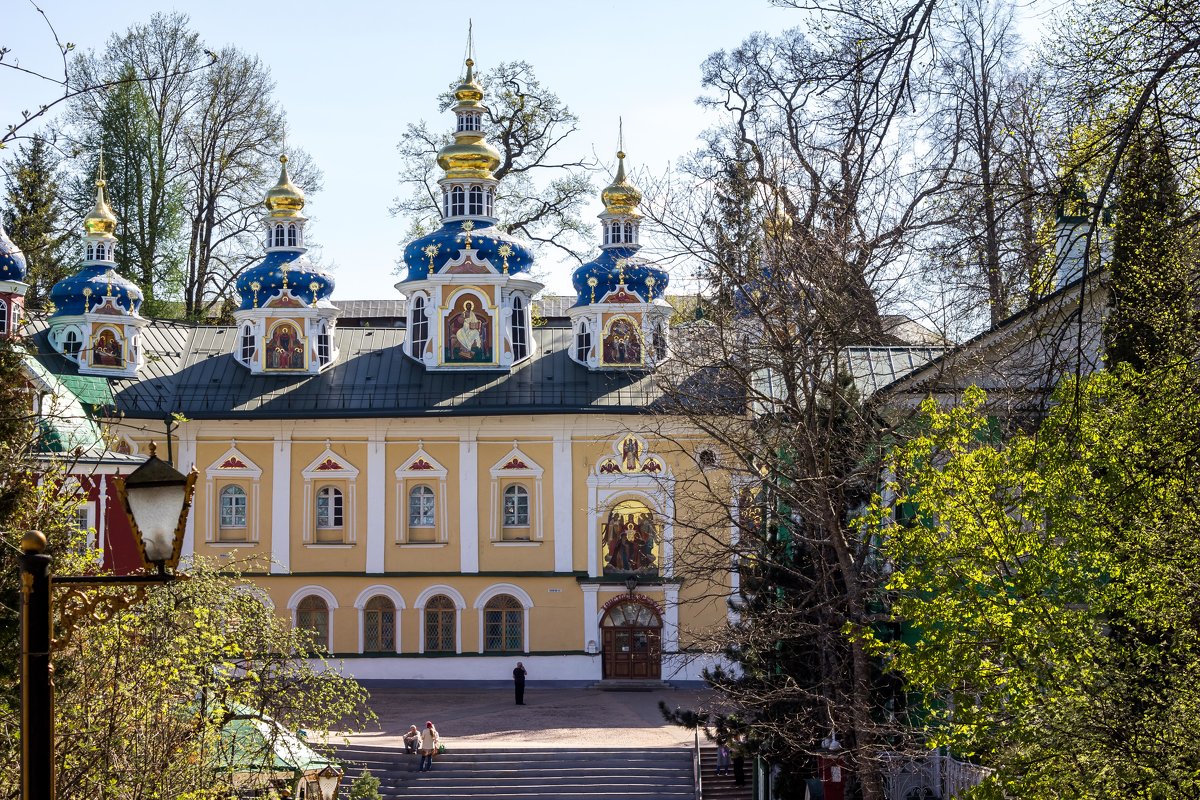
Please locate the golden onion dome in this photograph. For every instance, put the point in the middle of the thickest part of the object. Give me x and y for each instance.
(100, 221)
(470, 157)
(621, 197)
(284, 199)
(469, 92)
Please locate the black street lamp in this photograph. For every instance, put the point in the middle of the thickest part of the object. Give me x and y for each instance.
(157, 499)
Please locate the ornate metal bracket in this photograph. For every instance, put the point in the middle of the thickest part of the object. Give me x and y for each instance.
(79, 601)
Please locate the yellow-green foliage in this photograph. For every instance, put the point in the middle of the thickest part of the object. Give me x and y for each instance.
(1050, 582)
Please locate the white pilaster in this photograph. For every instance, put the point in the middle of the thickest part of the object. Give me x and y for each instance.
(591, 622)
(593, 546)
(670, 634)
(376, 501)
(564, 511)
(281, 505)
(468, 504)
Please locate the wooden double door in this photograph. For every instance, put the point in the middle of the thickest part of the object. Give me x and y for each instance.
(632, 639)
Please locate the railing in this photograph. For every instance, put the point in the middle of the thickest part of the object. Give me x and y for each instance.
(699, 779)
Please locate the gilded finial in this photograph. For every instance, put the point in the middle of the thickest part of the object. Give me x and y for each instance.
(100, 221)
(313, 287)
(33, 542)
(154, 449)
(591, 281)
(505, 250)
(650, 281)
(430, 251)
(467, 227)
(621, 264)
(254, 287)
(109, 276)
(285, 272)
(621, 197)
(284, 199)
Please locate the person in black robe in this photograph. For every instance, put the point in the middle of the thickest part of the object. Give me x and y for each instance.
(519, 683)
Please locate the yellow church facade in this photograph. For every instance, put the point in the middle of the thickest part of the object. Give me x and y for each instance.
(435, 498)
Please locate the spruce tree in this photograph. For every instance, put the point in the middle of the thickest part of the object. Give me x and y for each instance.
(1152, 302)
(36, 219)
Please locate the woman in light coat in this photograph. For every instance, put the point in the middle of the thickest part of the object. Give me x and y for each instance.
(429, 745)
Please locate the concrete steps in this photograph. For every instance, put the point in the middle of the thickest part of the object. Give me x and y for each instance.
(594, 773)
(721, 787)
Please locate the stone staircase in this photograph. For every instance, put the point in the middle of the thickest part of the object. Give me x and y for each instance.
(594, 773)
(720, 787)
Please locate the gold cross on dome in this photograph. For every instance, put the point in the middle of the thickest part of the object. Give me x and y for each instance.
(467, 227)
(431, 251)
(312, 287)
(592, 283)
(650, 285)
(254, 287)
(505, 250)
(621, 264)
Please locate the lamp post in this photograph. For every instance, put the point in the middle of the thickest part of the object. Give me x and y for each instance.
(327, 781)
(157, 498)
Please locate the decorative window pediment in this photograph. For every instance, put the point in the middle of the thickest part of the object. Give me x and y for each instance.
(233, 463)
(330, 465)
(516, 496)
(421, 470)
(232, 468)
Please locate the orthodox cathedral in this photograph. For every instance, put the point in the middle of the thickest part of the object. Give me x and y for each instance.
(433, 500)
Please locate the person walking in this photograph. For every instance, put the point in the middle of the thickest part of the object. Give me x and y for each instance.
(519, 683)
(429, 745)
(739, 767)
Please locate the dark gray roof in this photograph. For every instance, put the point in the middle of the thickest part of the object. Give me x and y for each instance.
(190, 370)
(358, 309)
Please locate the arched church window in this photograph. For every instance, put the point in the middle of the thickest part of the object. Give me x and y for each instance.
(659, 341)
(313, 615)
(420, 327)
(379, 625)
(440, 625)
(421, 507)
(247, 344)
(629, 232)
(491, 199)
(329, 508)
(72, 343)
(91, 252)
(279, 236)
(233, 507)
(324, 345)
(503, 625)
(520, 343)
(291, 235)
(476, 204)
(457, 202)
(583, 342)
(3, 317)
(516, 507)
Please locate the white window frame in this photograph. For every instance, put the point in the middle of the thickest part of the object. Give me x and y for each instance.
(502, 473)
(348, 474)
(215, 472)
(360, 603)
(519, 594)
(331, 604)
(460, 605)
(227, 492)
(517, 328)
(335, 508)
(427, 509)
(406, 478)
(418, 321)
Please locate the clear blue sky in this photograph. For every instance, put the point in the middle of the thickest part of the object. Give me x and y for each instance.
(351, 74)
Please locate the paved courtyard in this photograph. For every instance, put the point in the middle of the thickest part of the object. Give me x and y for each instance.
(486, 716)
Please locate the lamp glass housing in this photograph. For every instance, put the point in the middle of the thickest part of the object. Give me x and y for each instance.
(157, 510)
(328, 781)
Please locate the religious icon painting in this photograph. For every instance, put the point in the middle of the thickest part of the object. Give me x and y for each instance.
(630, 539)
(622, 342)
(468, 337)
(285, 347)
(106, 349)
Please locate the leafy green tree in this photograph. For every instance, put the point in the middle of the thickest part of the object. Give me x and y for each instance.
(1049, 582)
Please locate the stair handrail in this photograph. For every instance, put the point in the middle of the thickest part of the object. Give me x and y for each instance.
(696, 765)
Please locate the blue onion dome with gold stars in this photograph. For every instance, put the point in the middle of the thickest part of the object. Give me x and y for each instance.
(90, 287)
(617, 269)
(427, 255)
(12, 260)
(284, 267)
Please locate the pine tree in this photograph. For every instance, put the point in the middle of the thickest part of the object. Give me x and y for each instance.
(36, 219)
(1153, 294)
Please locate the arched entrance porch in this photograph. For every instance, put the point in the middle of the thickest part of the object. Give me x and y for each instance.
(631, 632)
